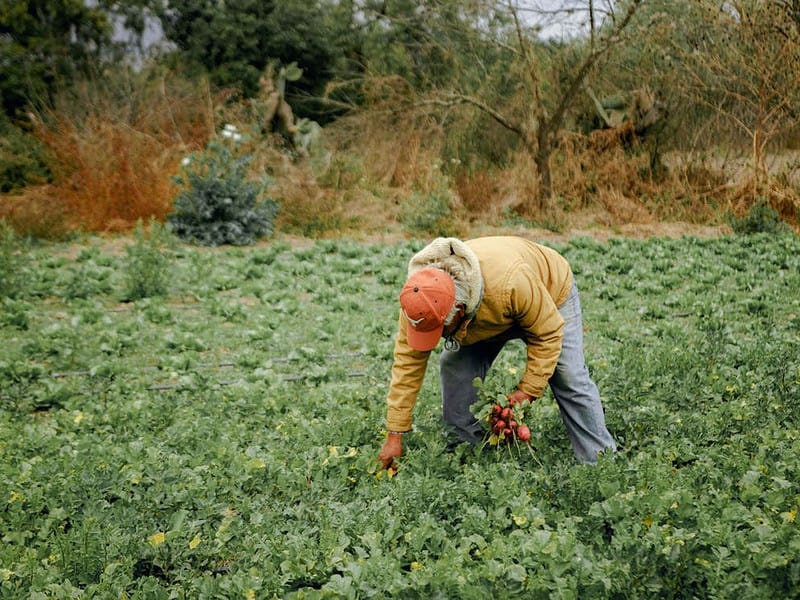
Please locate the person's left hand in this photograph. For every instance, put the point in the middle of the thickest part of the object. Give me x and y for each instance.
(518, 396)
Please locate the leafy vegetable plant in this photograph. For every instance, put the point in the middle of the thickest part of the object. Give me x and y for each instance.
(220, 440)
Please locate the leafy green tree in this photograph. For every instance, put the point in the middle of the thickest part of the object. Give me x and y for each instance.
(44, 43)
(235, 41)
(429, 43)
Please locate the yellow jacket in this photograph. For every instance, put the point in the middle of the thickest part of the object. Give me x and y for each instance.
(524, 284)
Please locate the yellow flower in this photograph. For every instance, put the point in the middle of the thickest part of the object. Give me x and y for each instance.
(255, 464)
(250, 594)
(78, 418)
(415, 566)
(15, 497)
(195, 542)
(157, 539)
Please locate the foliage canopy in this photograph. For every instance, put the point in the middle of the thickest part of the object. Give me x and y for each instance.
(44, 43)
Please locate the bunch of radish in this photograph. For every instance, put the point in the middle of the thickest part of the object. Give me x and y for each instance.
(503, 419)
(506, 426)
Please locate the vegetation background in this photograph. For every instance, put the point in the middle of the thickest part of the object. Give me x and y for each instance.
(424, 116)
(178, 422)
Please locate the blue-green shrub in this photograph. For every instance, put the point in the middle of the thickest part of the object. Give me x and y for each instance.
(761, 218)
(219, 203)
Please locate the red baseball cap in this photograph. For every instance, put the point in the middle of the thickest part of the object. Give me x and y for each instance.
(426, 299)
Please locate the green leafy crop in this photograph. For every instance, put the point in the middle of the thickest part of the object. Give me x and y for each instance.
(220, 440)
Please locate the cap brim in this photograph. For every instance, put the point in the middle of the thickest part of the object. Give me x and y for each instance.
(424, 341)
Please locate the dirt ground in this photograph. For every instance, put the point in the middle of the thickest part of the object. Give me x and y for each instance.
(586, 224)
(115, 244)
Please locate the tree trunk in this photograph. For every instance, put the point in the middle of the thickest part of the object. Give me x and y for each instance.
(544, 148)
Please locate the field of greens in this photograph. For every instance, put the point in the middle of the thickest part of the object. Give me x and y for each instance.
(219, 439)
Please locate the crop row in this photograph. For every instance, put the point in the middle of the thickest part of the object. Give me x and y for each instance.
(220, 440)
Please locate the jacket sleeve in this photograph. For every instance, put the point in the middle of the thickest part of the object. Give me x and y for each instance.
(532, 307)
(408, 373)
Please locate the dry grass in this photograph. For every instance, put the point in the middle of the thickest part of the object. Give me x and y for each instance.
(111, 174)
(113, 156)
(37, 213)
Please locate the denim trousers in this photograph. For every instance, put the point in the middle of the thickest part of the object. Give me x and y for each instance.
(573, 389)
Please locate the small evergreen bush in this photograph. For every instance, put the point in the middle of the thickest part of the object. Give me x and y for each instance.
(148, 262)
(219, 204)
(760, 218)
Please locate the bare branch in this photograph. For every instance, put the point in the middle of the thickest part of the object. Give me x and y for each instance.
(595, 54)
(454, 99)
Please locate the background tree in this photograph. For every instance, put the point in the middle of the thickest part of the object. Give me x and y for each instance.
(745, 69)
(45, 43)
(234, 42)
(546, 77)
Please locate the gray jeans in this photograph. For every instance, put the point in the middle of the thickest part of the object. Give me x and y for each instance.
(575, 393)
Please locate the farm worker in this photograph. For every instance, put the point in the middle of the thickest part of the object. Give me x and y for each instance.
(478, 295)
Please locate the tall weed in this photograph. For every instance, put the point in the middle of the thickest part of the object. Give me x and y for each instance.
(22, 159)
(12, 263)
(429, 213)
(147, 273)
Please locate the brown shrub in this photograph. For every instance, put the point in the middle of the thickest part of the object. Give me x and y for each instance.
(622, 209)
(113, 155)
(305, 207)
(109, 175)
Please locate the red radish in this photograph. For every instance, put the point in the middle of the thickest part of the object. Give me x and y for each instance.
(507, 432)
(506, 414)
(524, 433)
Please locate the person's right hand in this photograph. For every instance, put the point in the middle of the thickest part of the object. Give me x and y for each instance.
(392, 448)
(518, 397)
